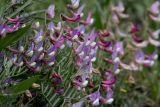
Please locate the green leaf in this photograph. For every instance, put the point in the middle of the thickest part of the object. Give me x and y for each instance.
(24, 85)
(3, 6)
(12, 37)
(106, 2)
(98, 22)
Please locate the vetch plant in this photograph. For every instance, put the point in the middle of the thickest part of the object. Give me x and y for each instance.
(64, 60)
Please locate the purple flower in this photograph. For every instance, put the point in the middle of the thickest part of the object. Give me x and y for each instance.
(14, 58)
(78, 104)
(77, 83)
(79, 11)
(116, 67)
(51, 26)
(109, 94)
(5, 28)
(39, 46)
(58, 27)
(9, 80)
(104, 43)
(149, 61)
(154, 55)
(20, 46)
(59, 90)
(141, 44)
(32, 62)
(86, 54)
(134, 28)
(89, 20)
(109, 80)
(14, 20)
(131, 67)
(50, 62)
(94, 98)
(155, 18)
(118, 12)
(154, 11)
(117, 49)
(155, 8)
(30, 50)
(155, 34)
(56, 79)
(38, 37)
(138, 41)
(60, 43)
(139, 57)
(75, 3)
(51, 11)
(1, 54)
(154, 41)
(19, 61)
(51, 51)
(74, 34)
(75, 18)
(36, 25)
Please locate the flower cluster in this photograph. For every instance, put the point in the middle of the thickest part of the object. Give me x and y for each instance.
(11, 26)
(114, 46)
(56, 80)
